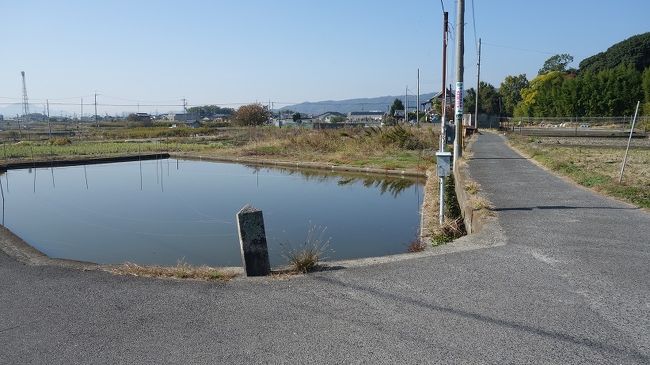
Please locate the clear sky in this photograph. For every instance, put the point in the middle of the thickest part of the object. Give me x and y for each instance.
(286, 51)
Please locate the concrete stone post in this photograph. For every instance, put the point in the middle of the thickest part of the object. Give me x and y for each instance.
(252, 240)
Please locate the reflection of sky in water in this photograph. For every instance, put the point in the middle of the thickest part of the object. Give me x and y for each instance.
(169, 210)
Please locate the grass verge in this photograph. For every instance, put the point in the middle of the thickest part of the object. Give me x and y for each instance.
(399, 147)
(182, 270)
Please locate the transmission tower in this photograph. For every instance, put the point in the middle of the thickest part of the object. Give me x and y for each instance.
(25, 100)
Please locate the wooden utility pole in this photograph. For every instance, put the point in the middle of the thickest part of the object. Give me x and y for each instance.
(460, 51)
(478, 84)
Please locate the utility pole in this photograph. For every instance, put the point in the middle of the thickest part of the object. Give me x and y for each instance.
(460, 51)
(443, 121)
(478, 83)
(49, 124)
(96, 123)
(184, 105)
(417, 102)
(445, 30)
(406, 104)
(81, 116)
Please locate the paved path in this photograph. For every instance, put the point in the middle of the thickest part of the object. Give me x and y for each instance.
(569, 284)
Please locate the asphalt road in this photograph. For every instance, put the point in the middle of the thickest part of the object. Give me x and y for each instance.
(569, 283)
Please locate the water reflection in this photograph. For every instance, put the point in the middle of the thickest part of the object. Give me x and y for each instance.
(395, 185)
(189, 212)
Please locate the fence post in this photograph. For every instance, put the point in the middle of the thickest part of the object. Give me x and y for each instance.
(620, 178)
(252, 240)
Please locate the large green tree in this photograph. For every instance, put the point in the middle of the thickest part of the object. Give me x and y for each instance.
(645, 82)
(209, 110)
(559, 62)
(510, 92)
(397, 105)
(538, 99)
(633, 51)
(610, 92)
(488, 99)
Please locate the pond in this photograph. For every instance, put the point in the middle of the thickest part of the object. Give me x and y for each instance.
(163, 211)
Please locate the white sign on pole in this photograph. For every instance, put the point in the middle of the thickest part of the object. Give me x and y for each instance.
(459, 98)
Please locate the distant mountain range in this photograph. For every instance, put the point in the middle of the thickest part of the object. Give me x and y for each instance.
(381, 103)
(11, 110)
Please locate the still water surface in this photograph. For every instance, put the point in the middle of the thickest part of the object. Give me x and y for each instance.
(160, 212)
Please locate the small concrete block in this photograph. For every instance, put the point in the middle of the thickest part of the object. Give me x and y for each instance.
(252, 239)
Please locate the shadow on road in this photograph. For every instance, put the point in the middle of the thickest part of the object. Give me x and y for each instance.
(592, 344)
(558, 207)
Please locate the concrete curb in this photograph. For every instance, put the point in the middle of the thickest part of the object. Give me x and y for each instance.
(81, 161)
(474, 219)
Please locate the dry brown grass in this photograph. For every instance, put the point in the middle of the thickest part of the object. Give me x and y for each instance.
(306, 257)
(417, 245)
(182, 270)
(472, 187)
(479, 202)
(389, 148)
(449, 231)
(430, 206)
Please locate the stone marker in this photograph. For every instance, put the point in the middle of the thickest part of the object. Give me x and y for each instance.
(252, 240)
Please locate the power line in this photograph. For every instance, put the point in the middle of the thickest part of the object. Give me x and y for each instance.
(195, 105)
(474, 24)
(517, 48)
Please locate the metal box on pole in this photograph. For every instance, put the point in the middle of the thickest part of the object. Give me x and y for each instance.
(443, 164)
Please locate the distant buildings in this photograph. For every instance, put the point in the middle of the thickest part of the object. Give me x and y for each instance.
(183, 117)
(373, 116)
(328, 116)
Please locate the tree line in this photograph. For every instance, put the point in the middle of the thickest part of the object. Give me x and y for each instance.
(607, 84)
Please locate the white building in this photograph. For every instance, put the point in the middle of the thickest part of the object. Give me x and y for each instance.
(373, 116)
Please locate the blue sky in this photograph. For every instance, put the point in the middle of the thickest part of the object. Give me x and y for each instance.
(286, 51)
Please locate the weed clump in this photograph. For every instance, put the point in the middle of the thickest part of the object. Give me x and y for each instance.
(306, 257)
(417, 245)
(60, 141)
(450, 230)
(472, 187)
(479, 202)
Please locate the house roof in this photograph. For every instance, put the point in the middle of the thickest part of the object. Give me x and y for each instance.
(439, 94)
(330, 113)
(366, 113)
